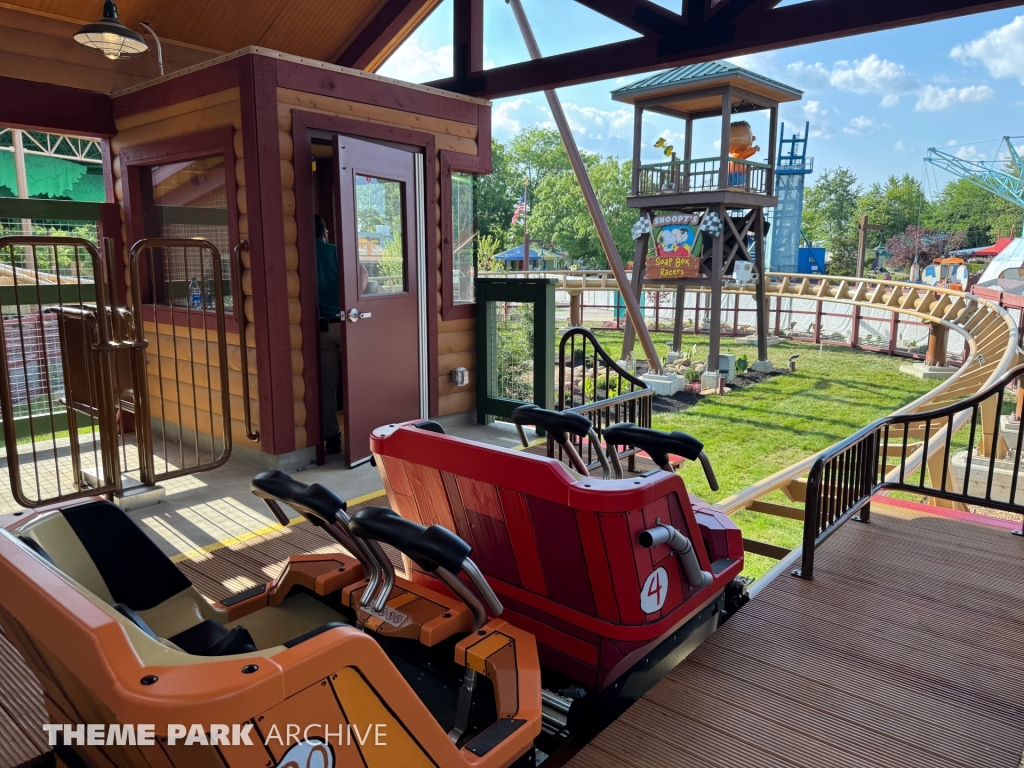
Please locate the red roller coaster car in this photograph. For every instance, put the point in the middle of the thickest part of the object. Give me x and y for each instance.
(602, 571)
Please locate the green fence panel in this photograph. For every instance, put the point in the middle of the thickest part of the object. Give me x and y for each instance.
(515, 343)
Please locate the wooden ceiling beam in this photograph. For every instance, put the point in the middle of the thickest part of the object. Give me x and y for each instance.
(384, 32)
(752, 30)
(643, 16)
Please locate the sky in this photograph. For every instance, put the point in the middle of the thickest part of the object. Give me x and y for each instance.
(876, 103)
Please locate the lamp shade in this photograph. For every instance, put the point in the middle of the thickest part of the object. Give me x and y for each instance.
(109, 37)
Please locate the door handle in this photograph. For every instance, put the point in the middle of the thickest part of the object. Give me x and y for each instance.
(354, 314)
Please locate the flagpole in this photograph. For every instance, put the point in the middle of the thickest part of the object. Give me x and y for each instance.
(526, 234)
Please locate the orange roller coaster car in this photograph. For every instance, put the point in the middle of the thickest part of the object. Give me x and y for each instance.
(372, 670)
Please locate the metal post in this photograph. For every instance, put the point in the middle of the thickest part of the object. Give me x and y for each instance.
(861, 245)
(715, 331)
(638, 123)
(637, 286)
(20, 175)
(677, 327)
(723, 169)
(603, 232)
(526, 235)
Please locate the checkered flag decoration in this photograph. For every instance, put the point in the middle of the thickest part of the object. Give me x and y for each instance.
(712, 224)
(641, 227)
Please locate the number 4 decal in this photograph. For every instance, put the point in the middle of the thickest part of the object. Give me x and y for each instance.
(654, 591)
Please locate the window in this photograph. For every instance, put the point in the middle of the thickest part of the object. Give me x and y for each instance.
(382, 251)
(464, 238)
(188, 199)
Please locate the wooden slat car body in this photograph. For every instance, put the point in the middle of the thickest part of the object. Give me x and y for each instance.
(562, 550)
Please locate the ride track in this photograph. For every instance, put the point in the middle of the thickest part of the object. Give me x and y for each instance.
(989, 333)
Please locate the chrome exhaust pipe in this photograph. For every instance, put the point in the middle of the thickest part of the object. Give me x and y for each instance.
(682, 546)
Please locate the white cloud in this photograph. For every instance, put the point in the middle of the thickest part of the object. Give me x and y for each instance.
(934, 99)
(1000, 50)
(599, 123)
(415, 63)
(859, 125)
(819, 118)
(508, 117)
(970, 153)
(900, 146)
(870, 75)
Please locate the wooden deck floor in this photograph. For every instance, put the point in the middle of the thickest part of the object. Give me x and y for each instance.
(906, 650)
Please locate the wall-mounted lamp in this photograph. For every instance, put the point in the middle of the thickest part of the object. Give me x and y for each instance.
(109, 37)
(159, 48)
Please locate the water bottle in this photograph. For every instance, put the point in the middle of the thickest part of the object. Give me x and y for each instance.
(195, 295)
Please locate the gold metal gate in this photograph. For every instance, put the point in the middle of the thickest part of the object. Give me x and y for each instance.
(178, 306)
(85, 384)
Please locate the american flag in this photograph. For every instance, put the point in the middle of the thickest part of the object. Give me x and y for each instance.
(520, 209)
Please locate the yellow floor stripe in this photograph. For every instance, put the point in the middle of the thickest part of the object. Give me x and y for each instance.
(248, 536)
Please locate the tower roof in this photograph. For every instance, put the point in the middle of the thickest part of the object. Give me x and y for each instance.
(693, 82)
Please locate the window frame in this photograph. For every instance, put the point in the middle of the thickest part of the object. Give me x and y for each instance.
(458, 163)
(178, 149)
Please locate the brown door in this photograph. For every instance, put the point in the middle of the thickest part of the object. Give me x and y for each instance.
(380, 336)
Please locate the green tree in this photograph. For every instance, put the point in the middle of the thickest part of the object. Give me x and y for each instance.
(560, 216)
(493, 192)
(979, 214)
(895, 205)
(829, 208)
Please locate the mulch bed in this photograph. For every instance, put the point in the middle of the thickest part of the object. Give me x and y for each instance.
(687, 398)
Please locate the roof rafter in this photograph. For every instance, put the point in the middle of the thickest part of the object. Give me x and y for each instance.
(748, 26)
(641, 16)
(384, 32)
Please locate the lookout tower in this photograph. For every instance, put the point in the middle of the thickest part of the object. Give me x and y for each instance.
(706, 213)
(793, 167)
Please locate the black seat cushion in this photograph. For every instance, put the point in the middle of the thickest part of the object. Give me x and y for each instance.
(135, 619)
(36, 547)
(316, 503)
(313, 633)
(211, 638)
(430, 426)
(135, 570)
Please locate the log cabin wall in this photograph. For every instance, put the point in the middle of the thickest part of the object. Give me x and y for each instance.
(160, 131)
(263, 98)
(450, 129)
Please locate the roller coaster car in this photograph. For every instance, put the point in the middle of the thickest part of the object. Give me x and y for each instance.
(380, 670)
(601, 571)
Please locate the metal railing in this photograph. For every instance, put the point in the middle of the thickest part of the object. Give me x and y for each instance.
(58, 284)
(603, 391)
(243, 349)
(932, 459)
(702, 175)
(181, 332)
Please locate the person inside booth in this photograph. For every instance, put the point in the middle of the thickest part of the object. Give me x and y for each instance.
(329, 303)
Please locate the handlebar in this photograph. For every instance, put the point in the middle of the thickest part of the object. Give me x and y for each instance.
(325, 509)
(435, 549)
(560, 424)
(658, 445)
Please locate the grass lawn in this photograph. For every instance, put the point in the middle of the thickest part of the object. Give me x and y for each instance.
(752, 433)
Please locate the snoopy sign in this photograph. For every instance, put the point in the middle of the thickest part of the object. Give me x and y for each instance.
(675, 238)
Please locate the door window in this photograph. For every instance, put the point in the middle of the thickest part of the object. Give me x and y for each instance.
(381, 231)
